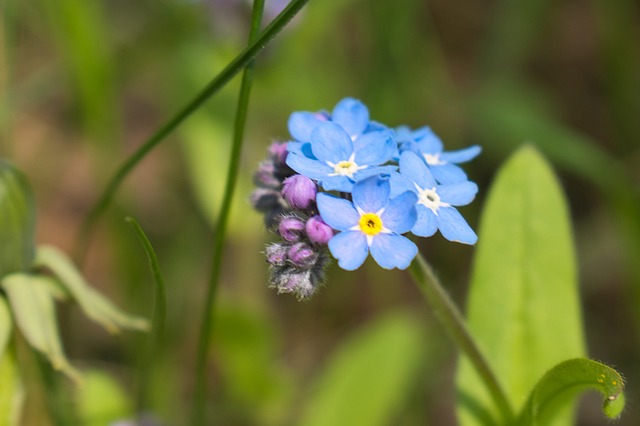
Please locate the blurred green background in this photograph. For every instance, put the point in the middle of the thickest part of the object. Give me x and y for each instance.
(85, 82)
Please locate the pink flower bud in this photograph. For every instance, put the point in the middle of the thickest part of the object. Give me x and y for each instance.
(291, 229)
(318, 231)
(299, 191)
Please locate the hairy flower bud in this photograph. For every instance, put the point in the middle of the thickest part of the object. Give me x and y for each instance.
(299, 191)
(302, 255)
(291, 228)
(265, 176)
(318, 231)
(278, 152)
(276, 254)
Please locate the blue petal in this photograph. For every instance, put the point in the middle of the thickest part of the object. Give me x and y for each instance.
(453, 226)
(371, 194)
(374, 148)
(374, 126)
(426, 224)
(338, 213)
(458, 194)
(393, 251)
(430, 143)
(400, 214)
(352, 115)
(337, 183)
(329, 142)
(350, 248)
(462, 155)
(301, 124)
(308, 167)
(302, 148)
(448, 173)
(399, 184)
(415, 169)
(373, 171)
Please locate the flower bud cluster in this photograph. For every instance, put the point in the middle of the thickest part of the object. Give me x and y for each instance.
(288, 201)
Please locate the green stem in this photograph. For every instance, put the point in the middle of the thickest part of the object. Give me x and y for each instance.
(218, 82)
(56, 400)
(206, 327)
(450, 317)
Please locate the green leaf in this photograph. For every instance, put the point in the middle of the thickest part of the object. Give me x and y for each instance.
(366, 381)
(5, 325)
(101, 400)
(523, 303)
(17, 220)
(11, 390)
(564, 382)
(92, 303)
(32, 303)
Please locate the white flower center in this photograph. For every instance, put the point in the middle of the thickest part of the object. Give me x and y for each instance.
(345, 168)
(433, 159)
(430, 199)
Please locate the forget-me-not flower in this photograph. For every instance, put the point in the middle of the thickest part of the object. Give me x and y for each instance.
(337, 161)
(435, 203)
(371, 223)
(442, 164)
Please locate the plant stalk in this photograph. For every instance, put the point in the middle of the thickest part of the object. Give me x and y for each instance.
(450, 317)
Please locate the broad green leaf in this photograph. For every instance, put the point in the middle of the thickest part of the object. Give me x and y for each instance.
(17, 220)
(101, 400)
(564, 382)
(11, 391)
(92, 303)
(523, 305)
(366, 381)
(33, 307)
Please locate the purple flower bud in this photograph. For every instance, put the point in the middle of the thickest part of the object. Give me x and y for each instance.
(318, 231)
(299, 191)
(276, 254)
(278, 152)
(266, 199)
(302, 255)
(265, 176)
(291, 228)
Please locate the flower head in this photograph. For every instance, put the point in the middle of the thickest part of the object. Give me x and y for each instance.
(442, 165)
(372, 223)
(435, 203)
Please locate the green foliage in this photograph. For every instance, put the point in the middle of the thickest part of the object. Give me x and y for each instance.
(523, 306)
(92, 303)
(11, 391)
(564, 382)
(367, 380)
(17, 220)
(33, 307)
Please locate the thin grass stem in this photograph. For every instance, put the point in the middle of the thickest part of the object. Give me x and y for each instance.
(204, 342)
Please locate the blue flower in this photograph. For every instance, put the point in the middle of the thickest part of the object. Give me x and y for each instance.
(351, 114)
(427, 144)
(435, 203)
(372, 223)
(337, 161)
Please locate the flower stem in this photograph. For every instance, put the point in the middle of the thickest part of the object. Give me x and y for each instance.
(452, 320)
(199, 401)
(218, 82)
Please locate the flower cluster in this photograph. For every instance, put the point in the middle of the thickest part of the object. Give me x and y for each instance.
(349, 187)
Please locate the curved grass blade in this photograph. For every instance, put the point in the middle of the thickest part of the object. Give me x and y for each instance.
(159, 311)
(560, 386)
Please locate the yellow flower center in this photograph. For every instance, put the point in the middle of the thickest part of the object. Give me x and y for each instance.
(370, 223)
(345, 168)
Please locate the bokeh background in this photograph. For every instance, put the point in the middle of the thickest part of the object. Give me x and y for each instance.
(85, 82)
